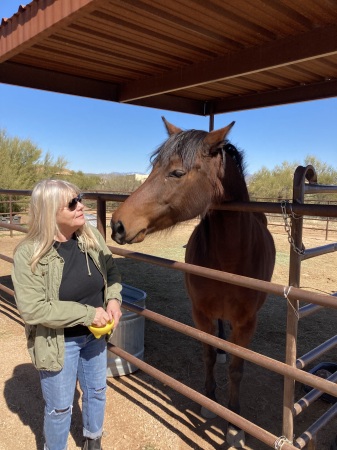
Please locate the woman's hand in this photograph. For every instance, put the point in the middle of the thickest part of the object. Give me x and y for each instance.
(101, 317)
(113, 310)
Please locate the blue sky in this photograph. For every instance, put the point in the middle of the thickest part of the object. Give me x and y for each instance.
(96, 136)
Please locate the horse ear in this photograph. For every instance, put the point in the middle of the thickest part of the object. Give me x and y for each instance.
(171, 129)
(215, 137)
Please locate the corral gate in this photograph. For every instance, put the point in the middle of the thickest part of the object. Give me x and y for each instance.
(290, 370)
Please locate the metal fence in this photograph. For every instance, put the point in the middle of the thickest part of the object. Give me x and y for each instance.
(292, 368)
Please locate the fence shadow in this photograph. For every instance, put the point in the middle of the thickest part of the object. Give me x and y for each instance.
(22, 393)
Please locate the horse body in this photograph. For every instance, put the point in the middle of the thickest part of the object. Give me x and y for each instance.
(213, 300)
(192, 171)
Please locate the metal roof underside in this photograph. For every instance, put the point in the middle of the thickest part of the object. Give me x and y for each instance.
(198, 57)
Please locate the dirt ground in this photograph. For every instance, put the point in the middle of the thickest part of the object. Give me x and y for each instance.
(144, 414)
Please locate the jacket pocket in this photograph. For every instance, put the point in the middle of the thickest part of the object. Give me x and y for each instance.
(45, 348)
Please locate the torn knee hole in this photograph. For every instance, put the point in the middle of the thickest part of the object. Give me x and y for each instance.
(62, 411)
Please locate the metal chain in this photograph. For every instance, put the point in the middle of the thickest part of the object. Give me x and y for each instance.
(278, 444)
(287, 226)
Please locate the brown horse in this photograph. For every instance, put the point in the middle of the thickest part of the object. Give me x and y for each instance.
(193, 170)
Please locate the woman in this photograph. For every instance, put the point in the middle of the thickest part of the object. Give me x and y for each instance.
(65, 279)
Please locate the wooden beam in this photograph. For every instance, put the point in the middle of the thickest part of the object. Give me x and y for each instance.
(294, 49)
(25, 76)
(173, 103)
(314, 91)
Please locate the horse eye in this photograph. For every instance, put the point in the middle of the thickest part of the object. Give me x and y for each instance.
(177, 173)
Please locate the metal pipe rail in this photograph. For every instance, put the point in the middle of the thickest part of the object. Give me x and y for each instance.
(289, 291)
(266, 207)
(266, 362)
(310, 397)
(312, 431)
(6, 289)
(282, 291)
(249, 355)
(309, 357)
(300, 363)
(323, 300)
(308, 310)
(252, 429)
(318, 251)
(315, 188)
(223, 412)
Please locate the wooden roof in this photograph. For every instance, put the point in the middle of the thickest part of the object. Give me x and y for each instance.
(194, 56)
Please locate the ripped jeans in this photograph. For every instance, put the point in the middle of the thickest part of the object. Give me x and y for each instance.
(85, 359)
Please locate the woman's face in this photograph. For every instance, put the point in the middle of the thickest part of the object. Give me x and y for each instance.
(70, 217)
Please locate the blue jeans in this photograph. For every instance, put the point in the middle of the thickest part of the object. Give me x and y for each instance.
(85, 359)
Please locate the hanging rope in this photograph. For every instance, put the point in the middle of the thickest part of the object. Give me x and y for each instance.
(286, 291)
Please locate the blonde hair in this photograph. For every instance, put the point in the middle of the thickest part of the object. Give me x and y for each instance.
(48, 196)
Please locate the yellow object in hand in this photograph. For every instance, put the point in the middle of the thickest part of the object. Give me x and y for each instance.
(100, 331)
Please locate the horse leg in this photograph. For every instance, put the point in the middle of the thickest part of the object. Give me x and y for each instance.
(221, 354)
(241, 335)
(209, 357)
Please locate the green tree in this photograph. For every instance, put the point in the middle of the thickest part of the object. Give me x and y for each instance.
(120, 183)
(22, 165)
(273, 184)
(277, 183)
(50, 169)
(80, 179)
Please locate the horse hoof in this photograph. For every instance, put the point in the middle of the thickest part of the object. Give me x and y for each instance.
(221, 358)
(235, 437)
(207, 414)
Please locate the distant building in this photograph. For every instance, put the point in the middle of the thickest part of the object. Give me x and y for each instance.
(140, 177)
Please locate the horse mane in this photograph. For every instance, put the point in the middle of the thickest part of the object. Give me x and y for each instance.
(186, 145)
(237, 156)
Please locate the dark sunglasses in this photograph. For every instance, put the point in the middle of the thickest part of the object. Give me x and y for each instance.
(73, 202)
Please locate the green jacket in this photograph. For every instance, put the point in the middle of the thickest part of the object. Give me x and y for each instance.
(37, 299)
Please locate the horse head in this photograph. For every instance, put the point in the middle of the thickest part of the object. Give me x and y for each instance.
(187, 176)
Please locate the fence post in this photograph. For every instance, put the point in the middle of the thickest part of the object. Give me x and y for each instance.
(300, 175)
(327, 226)
(101, 216)
(10, 214)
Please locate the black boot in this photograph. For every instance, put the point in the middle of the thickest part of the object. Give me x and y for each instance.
(92, 444)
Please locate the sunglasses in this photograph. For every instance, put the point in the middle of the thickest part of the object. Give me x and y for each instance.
(73, 202)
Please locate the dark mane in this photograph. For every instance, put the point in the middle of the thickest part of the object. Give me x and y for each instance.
(236, 155)
(186, 145)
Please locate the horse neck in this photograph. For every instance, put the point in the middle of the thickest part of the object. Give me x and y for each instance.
(234, 190)
(234, 184)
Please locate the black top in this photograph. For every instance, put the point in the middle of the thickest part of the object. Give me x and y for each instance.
(78, 284)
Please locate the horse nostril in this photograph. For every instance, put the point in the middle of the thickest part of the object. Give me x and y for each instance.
(118, 232)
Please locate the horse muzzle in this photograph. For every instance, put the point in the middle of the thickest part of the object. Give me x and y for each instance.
(118, 232)
(120, 235)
